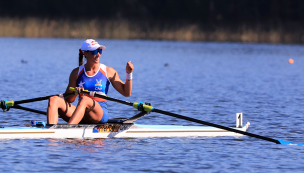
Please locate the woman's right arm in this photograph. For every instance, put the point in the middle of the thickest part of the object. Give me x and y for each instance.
(72, 83)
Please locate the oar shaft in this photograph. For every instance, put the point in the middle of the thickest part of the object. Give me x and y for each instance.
(215, 125)
(118, 101)
(29, 109)
(191, 119)
(40, 98)
(108, 98)
(148, 108)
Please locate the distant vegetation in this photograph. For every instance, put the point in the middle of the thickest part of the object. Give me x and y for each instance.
(274, 21)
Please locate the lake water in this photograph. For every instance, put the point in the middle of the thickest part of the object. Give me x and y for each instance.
(207, 81)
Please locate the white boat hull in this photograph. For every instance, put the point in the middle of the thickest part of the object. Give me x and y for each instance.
(113, 131)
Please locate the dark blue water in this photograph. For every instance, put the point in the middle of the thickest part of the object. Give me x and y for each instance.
(207, 81)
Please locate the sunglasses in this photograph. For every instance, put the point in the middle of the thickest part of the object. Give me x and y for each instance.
(94, 52)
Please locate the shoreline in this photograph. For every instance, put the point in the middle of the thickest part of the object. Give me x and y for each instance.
(288, 33)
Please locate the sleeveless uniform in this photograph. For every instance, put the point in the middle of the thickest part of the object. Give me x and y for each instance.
(99, 82)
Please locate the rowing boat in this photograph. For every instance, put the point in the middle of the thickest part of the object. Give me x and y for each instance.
(115, 128)
(122, 128)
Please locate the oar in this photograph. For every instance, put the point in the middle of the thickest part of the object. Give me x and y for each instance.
(6, 105)
(42, 98)
(29, 109)
(147, 108)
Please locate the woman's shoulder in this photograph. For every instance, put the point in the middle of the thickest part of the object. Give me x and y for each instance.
(110, 71)
(74, 72)
(76, 69)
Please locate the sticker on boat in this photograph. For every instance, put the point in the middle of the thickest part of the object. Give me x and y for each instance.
(107, 128)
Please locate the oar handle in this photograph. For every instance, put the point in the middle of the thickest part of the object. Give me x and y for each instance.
(76, 92)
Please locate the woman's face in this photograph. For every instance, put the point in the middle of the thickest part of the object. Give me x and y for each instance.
(92, 58)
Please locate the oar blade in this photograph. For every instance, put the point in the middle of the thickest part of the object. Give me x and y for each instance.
(288, 143)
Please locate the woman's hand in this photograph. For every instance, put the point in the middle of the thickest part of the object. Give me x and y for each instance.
(129, 67)
(79, 89)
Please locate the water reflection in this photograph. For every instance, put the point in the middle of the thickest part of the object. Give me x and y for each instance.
(92, 145)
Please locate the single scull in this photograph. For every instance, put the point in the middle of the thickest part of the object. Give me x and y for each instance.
(122, 128)
(115, 128)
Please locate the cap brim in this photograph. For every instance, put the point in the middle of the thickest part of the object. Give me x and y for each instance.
(102, 47)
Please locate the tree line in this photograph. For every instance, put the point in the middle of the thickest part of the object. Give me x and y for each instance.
(199, 11)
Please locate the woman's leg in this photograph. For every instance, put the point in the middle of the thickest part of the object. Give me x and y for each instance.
(59, 106)
(88, 109)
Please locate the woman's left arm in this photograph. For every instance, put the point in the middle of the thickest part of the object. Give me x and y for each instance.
(124, 89)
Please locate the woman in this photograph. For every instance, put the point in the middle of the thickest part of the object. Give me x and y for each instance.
(91, 76)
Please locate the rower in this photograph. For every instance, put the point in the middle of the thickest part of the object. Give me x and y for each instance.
(92, 76)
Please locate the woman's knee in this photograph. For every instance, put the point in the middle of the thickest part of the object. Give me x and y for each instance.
(85, 100)
(54, 100)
